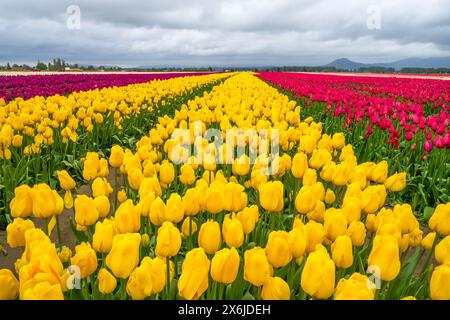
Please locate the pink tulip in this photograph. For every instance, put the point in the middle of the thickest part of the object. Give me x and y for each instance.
(409, 136)
(438, 142)
(428, 146)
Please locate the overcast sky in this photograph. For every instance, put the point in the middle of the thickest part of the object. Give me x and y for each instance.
(228, 32)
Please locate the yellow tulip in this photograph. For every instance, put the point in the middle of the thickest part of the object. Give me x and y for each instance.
(43, 291)
(9, 285)
(271, 196)
(256, 267)
(335, 224)
(101, 187)
(86, 213)
(328, 170)
(122, 196)
(248, 217)
(306, 199)
(46, 202)
(275, 289)
(103, 236)
(385, 256)
(379, 172)
(310, 177)
(440, 220)
(297, 240)
(428, 240)
(341, 174)
(22, 204)
(127, 218)
(232, 231)
(65, 254)
(187, 176)
(318, 274)
(415, 237)
(116, 157)
(85, 258)
(140, 284)
(396, 182)
(330, 197)
(106, 281)
(338, 140)
(191, 202)
(214, 200)
(319, 158)
(168, 241)
(15, 232)
(124, 255)
(146, 202)
(102, 205)
(135, 178)
(278, 249)
(174, 208)
(157, 268)
(150, 185)
(157, 212)
(166, 173)
(193, 280)
(225, 265)
(408, 298)
(234, 197)
(209, 237)
(357, 232)
(442, 251)
(352, 210)
(440, 278)
(342, 252)
(316, 235)
(371, 200)
(66, 182)
(357, 287)
(185, 227)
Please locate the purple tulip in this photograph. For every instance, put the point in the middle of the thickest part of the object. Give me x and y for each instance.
(47, 85)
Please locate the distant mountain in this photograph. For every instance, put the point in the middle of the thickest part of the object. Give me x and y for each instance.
(346, 64)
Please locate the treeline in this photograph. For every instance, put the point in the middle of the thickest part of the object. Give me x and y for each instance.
(59, 64)
(425, 70)
(302, 69)
(361, 69)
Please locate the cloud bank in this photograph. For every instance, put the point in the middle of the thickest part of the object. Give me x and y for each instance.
(223, 32)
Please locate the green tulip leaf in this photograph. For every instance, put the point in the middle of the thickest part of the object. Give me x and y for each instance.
(427, 213)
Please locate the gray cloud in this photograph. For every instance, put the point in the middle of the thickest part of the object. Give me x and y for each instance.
(222, 32)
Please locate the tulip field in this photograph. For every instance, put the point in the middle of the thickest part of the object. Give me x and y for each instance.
(224, 186)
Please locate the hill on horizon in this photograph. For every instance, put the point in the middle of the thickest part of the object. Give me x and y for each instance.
(347, 64)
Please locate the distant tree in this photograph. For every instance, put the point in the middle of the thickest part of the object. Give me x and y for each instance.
(41, 66)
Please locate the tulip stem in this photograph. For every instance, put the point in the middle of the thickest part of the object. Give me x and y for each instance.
(115, 189)
(430, 254)
(58, 230)
(191, 241)
(123, 289)
(167, 278)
